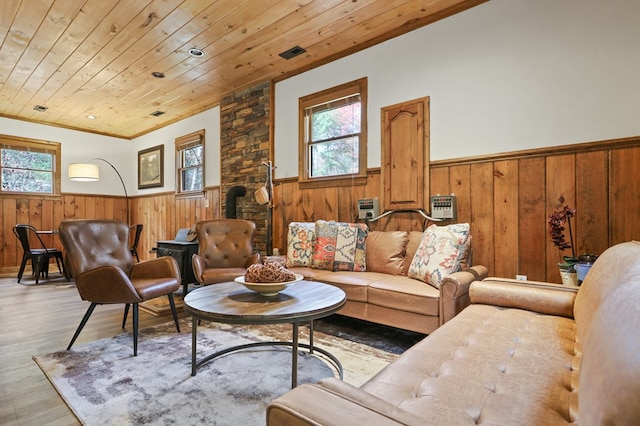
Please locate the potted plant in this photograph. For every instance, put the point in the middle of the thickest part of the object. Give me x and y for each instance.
(557, 221)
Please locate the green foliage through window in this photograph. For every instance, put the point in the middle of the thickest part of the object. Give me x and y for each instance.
(192, 168)
(333, 130)
(27, 171)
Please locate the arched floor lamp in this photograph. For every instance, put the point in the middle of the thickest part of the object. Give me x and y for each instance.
(87, 172)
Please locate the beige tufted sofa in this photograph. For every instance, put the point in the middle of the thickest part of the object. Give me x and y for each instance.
(384, 294)
(523, 353)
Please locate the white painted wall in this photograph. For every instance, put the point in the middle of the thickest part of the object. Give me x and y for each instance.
(79, 147)
(208, 120)
(506, 75)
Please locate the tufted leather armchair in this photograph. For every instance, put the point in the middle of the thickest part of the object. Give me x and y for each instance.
(105, 273)
(225, 250)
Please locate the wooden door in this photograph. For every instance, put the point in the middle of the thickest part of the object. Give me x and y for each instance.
(405, 154)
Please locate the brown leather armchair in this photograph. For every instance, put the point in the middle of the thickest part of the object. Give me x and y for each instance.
(225, 250)
(105, 273)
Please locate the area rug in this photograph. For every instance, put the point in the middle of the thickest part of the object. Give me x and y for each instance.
(104, 384)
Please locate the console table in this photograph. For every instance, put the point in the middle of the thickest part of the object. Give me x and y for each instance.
(182, 252)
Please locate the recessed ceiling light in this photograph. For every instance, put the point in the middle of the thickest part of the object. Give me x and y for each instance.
(157, 74)
(91, 117)
(157, 113)
(194, 51)
(40, 108)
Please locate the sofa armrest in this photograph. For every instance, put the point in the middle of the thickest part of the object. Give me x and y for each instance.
(545, 298)
(333, 402)
(454, 291)
(161, 267)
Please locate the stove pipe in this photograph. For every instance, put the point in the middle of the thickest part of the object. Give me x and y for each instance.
(230, 207)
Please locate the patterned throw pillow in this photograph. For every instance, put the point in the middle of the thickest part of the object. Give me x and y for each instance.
(437, 255)
(340, 246)
(301, 239)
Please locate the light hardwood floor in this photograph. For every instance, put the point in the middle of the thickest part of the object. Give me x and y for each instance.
(38, 319)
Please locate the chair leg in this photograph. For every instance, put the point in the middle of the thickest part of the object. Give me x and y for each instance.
(135, 329)
(58, 263)
(64, 271)
(173, 311)
(45, 264)
(22, 266)
(126, 313)
(37, 263)
(82, 323)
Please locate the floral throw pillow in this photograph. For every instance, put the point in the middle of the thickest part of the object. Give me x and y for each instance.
(301, 239)
(438, 253)
(340, 246)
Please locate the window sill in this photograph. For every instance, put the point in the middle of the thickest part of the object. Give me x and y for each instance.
(354, 180)
(193, 194)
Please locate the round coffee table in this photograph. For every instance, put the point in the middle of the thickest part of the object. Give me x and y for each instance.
(232, 303)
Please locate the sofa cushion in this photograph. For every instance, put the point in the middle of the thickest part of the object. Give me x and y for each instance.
(355, 285)
(437, 255)
(385, 251)
(464, 256)
(340, 246)
(301, 239)
(496, 365)
(412, 246)
(404, 294)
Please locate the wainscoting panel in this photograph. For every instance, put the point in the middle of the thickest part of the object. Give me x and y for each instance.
(507, 199)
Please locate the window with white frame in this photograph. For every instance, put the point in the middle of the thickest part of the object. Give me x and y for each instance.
(333, 135)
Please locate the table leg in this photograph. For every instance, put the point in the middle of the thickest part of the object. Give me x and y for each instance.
(311, 337)
(294, 357)
(194, 332)
(295, 346)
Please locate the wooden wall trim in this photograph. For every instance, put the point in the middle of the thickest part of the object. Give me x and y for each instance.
(542, 152)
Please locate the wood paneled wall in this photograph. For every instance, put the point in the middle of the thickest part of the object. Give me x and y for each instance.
(507, 199)
(46, 213)
(161, 214)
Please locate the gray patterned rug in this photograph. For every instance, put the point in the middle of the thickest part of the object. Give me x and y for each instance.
(104, 384)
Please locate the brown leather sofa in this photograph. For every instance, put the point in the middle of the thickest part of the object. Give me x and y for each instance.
(225, 250)
(523, 353)
(384, 294)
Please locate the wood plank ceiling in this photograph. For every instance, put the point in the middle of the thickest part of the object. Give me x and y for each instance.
(76, 58)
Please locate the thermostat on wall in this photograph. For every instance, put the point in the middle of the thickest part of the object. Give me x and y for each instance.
(368, 208)
(443, 206)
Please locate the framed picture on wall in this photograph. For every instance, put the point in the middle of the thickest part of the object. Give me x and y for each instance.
(151, 167)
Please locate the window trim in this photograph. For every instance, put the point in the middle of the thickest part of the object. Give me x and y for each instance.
(184, 142)
(344, 90)
(28, 144)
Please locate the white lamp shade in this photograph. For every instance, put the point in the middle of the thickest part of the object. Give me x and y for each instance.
(83, 172)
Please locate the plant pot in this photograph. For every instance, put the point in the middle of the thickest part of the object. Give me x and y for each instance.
(568, 274)
(583, 266)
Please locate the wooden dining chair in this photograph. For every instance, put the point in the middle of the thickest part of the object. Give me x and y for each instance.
(39, 256)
